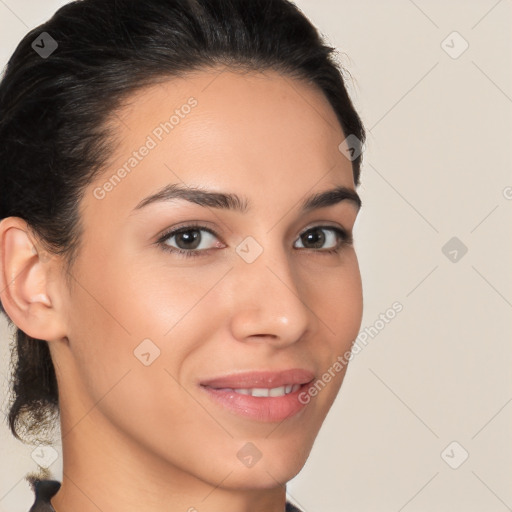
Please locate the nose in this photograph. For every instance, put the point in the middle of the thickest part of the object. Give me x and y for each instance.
(268, 303)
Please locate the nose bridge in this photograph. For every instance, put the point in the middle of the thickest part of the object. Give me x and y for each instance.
(268, 300)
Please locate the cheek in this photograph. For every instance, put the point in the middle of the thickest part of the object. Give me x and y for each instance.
(338, 301)
(127, 366)
(133, 333)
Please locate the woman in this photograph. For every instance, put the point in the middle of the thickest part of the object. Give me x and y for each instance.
(178, 197)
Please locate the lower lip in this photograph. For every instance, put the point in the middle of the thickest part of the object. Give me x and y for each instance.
(269, 409)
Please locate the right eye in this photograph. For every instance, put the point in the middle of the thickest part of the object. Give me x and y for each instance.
(189, 240)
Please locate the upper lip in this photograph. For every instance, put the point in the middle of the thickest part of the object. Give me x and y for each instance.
(261, 379)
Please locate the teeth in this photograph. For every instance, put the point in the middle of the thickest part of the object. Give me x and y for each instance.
(265, 392)
(277, 391)
(243, 391)
(260, 392)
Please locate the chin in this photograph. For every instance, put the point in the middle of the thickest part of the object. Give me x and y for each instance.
(269, 472)
(263, 477)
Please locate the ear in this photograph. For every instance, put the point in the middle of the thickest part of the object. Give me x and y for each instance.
(24, 278)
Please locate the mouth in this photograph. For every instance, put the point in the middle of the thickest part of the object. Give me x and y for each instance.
(260, 396)
(265, 392)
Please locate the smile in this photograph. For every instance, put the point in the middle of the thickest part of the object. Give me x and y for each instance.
(266, 392)
(261, 396)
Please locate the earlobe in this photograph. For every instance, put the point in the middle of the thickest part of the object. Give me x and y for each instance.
(23, 282)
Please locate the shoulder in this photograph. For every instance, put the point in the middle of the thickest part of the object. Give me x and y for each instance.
(44, 490)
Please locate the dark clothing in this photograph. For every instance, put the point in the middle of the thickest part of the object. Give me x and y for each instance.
(46, 489)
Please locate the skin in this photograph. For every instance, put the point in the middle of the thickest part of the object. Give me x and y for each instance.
(139, 437)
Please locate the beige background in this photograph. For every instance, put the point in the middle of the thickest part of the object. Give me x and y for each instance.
(437, 166)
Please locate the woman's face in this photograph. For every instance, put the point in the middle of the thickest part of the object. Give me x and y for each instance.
(263, 285)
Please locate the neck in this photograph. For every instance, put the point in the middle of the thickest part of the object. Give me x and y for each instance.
(103, 470)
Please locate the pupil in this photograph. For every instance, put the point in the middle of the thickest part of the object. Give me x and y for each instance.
(189, 239)
(317, 238)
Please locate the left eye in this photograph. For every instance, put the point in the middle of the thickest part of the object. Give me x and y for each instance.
(317, 238)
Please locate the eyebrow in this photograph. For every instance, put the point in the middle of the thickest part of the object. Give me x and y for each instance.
(230, 201)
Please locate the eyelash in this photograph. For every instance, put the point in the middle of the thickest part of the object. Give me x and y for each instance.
(344, 238)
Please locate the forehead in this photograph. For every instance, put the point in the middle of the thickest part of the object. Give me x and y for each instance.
(261, 134)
